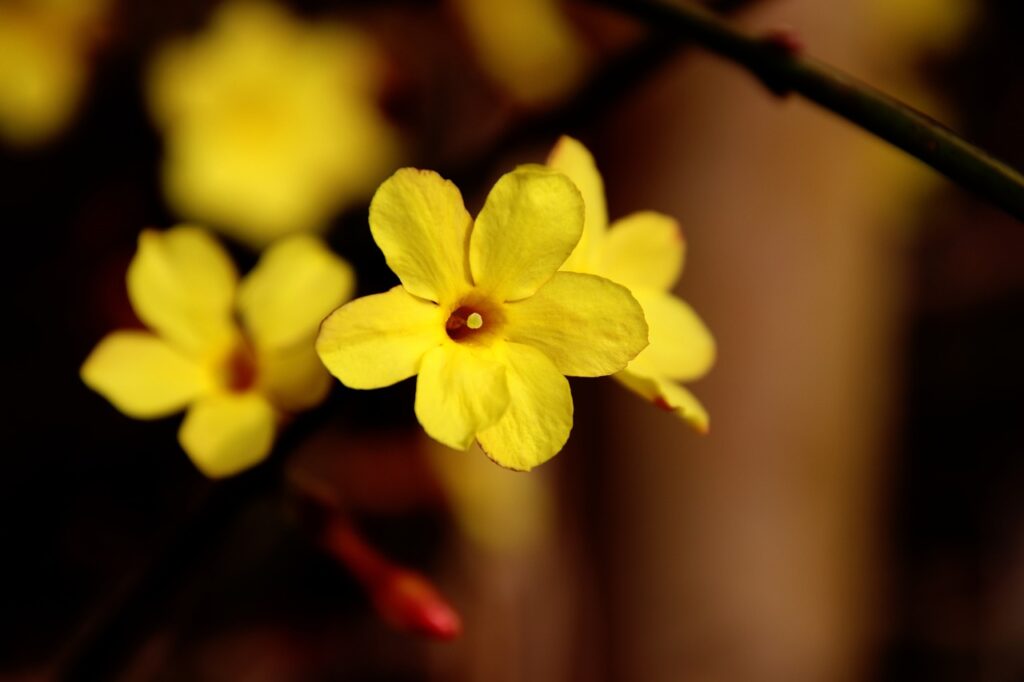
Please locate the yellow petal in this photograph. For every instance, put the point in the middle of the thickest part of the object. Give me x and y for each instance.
(570, 157)
(226, 433)
(669, 396)
(529, 224)
(293, 378)
(296, 284)
(379, 340)
(644, 249)
(480, 496)
(461, 390)
(420, 223)
(43, 68)
(681, 346)
(181, 283)
(143, 376)
(588, 325)
(539, 415)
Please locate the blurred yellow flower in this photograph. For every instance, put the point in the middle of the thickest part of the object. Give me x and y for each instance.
(270, 123)
(644, 252)
(528, 46)
(482, 315)
(238, 383)
(44, 64)
(912, 25)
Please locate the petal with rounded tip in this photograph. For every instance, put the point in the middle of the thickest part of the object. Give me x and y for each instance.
(644, 249)
(379, 340)
(296, 284)
(570, 157)
(461, 390)
(420, 223)
(539, 416)
(142, 375)
(681, 346)
(530, 223)
(227, 433)
(588, 325)
(182, 283)
(669, 396)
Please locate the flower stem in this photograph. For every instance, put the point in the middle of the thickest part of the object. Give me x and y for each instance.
(778, 64)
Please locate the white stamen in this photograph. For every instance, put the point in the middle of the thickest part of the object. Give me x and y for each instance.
(474, 321)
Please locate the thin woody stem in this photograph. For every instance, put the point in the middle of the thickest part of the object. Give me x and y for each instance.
(777, 63)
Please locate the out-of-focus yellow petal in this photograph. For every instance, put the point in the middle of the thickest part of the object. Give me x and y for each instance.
(40, 78)
(182, 285)
(588, 325)
(44, 64)
(226, 433)
(644, 249)
(913, 25)
(681, 346)
(539, 415)
(461, 389)
(481, 495)
(570, 157)
(530, 223)
(143, 376)
(420, 223)
(669, 396)
(378, 340)
(296, 284)
(528, 46)
(293, 378)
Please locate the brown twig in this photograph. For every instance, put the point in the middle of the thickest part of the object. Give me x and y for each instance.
(783, 70)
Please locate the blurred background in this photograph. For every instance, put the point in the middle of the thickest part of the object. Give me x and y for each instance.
(855, 513)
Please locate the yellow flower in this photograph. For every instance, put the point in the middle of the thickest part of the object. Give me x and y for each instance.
(482, 315)
(44, 65)
(270, 123)
(644, 252)
(528, 46)
(237, 382)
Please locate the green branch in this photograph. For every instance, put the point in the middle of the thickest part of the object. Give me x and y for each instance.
(784, 70)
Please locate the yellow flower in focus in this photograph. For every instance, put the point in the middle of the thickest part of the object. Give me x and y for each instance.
(270, 123)
(528, 46)
(44, 64)
(644, 252)
(237, 381)
(482, 315)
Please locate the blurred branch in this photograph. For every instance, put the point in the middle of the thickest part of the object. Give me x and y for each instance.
(775, 59)
(107, 641)
(115, 631)
(613, 82)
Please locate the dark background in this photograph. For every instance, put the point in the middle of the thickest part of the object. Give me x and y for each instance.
(120, 556)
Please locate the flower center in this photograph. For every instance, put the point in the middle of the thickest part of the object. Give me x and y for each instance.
(463, 322)
(239, 369)
(476, 320)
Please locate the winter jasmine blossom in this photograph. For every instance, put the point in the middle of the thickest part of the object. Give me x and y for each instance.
(482, 315)
(270, 123)
(237, 381)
